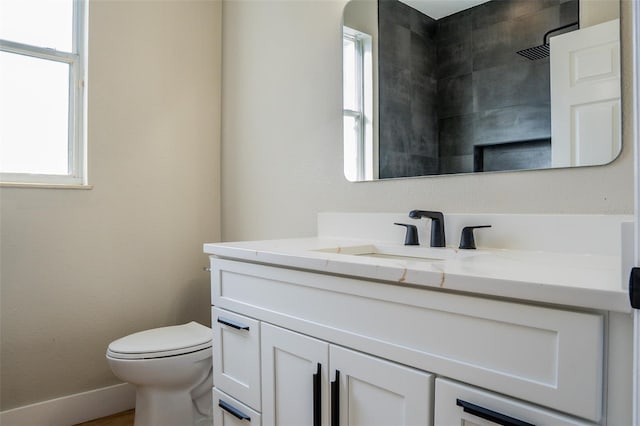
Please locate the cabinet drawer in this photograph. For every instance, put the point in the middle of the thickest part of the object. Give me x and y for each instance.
(230, 412)
(236, 356)
(460, 404)
(551, 357)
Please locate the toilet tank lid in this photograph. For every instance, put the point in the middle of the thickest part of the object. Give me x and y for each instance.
(163, 339)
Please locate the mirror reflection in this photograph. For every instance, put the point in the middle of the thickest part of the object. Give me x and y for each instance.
(442, 87)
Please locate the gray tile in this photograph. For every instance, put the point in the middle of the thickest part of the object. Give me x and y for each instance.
(512, 84)
(393, 11)
(495, 11)
(455, 135)
(393, 164)
(422, 166)
(423, 56)
(495, 45)
(394, 45)
(423, 25)
(456, 164)
(516, 123)
(454, 59)
(537, 25)
(454, 28)
(455, 96)
(395, 85)
(394, 127)
(569, 12)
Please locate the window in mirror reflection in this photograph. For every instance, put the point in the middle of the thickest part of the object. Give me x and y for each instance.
(358, 105)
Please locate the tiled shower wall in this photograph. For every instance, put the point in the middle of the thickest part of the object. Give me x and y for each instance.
(408, 91)
(480, 92)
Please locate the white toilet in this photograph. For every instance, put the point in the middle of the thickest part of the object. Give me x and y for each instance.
(171, 370)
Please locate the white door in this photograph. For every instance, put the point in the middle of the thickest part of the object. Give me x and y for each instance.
(585, 95)
(370, 391)
(295, 372)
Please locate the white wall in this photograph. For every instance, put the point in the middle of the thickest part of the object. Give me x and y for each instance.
(282, 141)
(81, 268)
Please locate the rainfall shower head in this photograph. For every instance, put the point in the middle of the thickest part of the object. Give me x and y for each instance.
(542, 51)
(535, 53)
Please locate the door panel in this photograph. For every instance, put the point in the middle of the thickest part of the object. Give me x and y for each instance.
(289, 363)
(378, 392)
(585, 96)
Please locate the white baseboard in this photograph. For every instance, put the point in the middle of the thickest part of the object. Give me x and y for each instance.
(73, 409)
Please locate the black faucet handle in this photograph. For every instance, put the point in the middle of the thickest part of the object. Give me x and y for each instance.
(411, 238)
(467, 241)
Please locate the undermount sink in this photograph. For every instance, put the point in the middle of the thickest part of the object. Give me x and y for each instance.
(406, 253)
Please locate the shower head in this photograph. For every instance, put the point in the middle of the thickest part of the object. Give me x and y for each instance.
(535, 53)
(542, 51)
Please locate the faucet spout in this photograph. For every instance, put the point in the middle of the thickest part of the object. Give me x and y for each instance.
(437, 225)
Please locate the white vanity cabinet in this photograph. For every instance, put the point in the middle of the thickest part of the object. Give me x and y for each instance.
(389, 342)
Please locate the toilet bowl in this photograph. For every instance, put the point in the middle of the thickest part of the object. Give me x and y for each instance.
(171, 370)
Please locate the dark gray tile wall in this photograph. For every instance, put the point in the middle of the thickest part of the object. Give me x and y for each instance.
(462, 77)
(408, 91)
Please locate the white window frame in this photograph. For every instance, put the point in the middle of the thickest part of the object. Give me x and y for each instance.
(364, 113)
(77, 164)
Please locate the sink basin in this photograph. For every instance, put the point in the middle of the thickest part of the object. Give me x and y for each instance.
(406, 253)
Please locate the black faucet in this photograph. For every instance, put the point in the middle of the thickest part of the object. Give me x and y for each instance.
(437, 225)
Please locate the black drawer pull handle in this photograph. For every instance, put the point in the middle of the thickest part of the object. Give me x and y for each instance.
(335, 400)
(492, 416)
(233, 324)
(317, 397)
(233, 411)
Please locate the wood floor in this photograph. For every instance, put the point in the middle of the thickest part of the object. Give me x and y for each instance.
(121, 419)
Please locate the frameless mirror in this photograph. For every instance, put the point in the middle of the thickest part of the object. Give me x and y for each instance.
(437, 87)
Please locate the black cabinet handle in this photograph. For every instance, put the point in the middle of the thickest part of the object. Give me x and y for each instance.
(492, 416)
(233, 324)
(335, 400)
(233, 410)
(317, 397)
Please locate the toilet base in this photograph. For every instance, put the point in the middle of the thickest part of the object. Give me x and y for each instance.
(155, 407)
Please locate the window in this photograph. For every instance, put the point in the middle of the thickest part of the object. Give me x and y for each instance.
(42, 91)
(358, 105)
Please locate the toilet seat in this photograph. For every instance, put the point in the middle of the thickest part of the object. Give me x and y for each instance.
(162, 342)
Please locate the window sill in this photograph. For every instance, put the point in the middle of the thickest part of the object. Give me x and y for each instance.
(44, 185)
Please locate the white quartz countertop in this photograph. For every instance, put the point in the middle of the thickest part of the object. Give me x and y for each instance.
(579, 280)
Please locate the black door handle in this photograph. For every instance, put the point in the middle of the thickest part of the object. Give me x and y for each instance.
(233, 324)
(317, 397)
(335, 400)
(634, 288)
(233, 410)
(492, 416)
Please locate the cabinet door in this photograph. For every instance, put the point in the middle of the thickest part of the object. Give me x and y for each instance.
(295, 371)
(372, 391)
